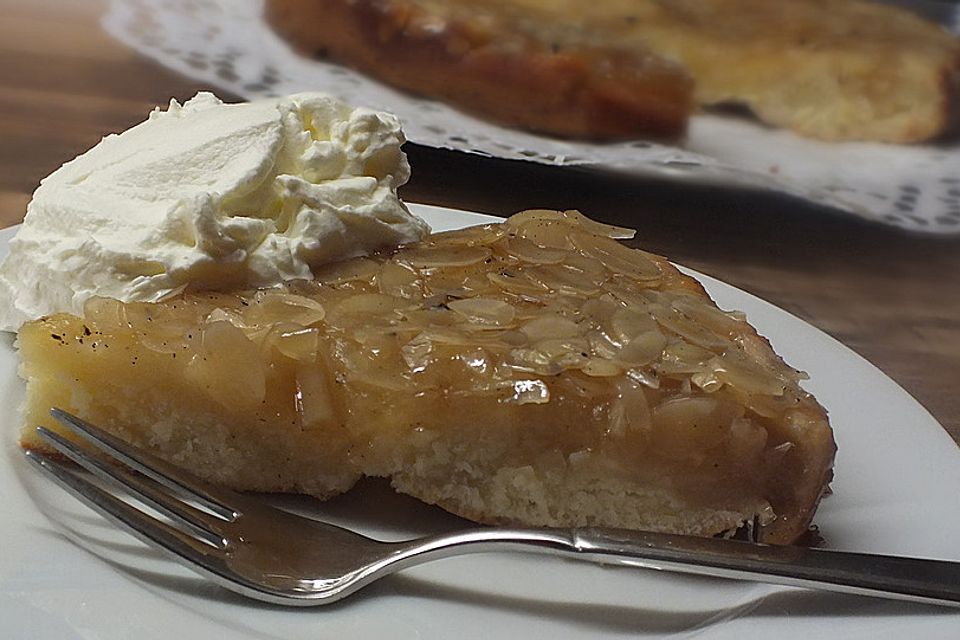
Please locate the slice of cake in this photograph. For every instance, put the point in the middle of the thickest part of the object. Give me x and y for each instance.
(535, 371)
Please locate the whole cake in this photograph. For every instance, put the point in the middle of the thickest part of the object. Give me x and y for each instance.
(851, 70)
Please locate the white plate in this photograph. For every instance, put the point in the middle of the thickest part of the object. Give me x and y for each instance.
(65, 573)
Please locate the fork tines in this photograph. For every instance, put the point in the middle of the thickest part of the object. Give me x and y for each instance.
(196, 513)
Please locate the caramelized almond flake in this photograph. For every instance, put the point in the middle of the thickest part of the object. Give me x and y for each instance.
(399, 280)
(626, 324)
(648, 379)
(500, 341)
(529, 392)
(297, 343)
(161, 342)
(483, 235)
(227, 366)
(357, 269)
(719, 322)
(274, 305)
(625, 295)
(687, 427)
(517, 282)
(227, 315)
(599, 228)
(417, 353)
(550, 326)
(707, 381)
(313, 400)
(510, 337)
(643, 349)
(598, 367)
(616, 256)
(369, 304)
(162, 296)
(445, 256)
(527, 251)
(565, 281)
(602, 346)
(522, 219)
(599, 309)
(486, 312)
(630, 410)
(592, 269)
(105, 312)
(770, 406)
(746, 376)
(689, 330)
(475, 360)
(747, 440)
(545, 232)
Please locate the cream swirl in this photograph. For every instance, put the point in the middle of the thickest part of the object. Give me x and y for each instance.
(211, 196)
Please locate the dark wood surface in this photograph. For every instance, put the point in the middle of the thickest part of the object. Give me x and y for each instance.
(892, 297)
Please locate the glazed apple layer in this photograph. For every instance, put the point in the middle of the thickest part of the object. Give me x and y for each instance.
(535, 371)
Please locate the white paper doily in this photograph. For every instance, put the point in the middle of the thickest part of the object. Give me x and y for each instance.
(227, 44)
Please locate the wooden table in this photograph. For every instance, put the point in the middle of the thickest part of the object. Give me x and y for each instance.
(893, 297)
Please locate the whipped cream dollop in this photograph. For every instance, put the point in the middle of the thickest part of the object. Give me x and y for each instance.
(210, 195)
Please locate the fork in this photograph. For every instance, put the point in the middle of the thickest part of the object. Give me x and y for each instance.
(272, 555)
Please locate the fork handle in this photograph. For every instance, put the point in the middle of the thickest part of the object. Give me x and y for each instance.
(899, 578)
(919, 580)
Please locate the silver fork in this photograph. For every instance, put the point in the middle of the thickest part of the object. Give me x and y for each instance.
(272, 555)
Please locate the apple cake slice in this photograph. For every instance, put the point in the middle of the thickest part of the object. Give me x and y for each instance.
(535, 371)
